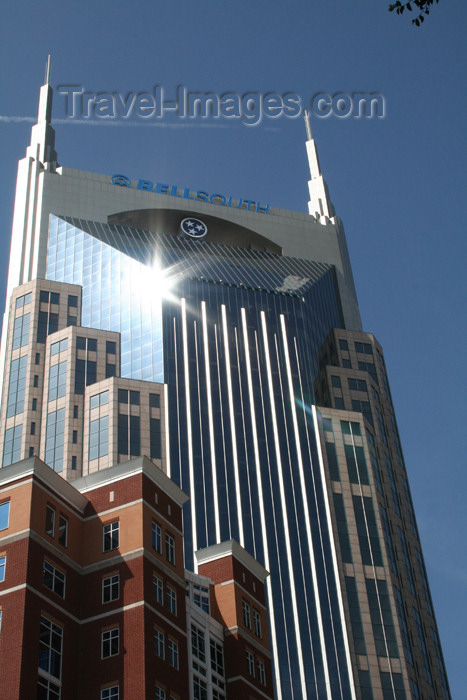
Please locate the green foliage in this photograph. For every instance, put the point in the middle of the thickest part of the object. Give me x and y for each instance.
(422, 5)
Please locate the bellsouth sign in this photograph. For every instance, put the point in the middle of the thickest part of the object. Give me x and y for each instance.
(186, 193)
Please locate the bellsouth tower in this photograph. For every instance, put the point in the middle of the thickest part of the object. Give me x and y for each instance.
(275, 415)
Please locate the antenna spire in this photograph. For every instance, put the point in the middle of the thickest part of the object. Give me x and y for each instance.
(306, 117)
(48, 67)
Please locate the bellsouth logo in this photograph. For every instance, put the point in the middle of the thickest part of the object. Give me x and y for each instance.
(195, 228)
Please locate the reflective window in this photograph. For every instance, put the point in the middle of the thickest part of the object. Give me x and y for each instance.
(111, 693)
(155, 438)
(381, 618)
(367, 529)
(422, 646)
(98, 438)
(23, 300)
(403, 626)
(355, 615)
(17, 386)
(54, 439)
(342, 528)
(57, 381)
(12, 445)
(2, 568)
(21, 331)
(4, 515)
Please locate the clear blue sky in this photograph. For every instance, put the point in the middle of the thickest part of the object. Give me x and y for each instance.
(398, 183)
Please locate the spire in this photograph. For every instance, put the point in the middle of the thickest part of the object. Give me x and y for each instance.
(320, 204)
(43, 135)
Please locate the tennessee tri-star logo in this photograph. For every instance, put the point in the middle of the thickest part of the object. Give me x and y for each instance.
(194, 228)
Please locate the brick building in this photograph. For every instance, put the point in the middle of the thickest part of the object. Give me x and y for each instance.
(95, 601)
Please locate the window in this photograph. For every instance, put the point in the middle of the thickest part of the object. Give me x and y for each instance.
(158, 590)
(364, 348)
(336, 382)
(173, 653)
(200, 689)
(75, 411)
(197, 644)
(201, 597)
(112, 693)
(160, 693)
(357, 384)
(57, 380)
(110, 643)
(257, 623)
(33, 428)
(23, 300)
(99, 399)
(261, 671)
(17, 386)
(155, 438)
(157, 537)
(34, 404)
(343, 344)
(75, 437)
(12, 445)
(53, 579)
(21, 331)
(111, 347)
(50, 521)
(50, 649)
(2, 567)
(4, 515)
(171, 600)
(63, 531)
(154, 400)
(246, 614)
(73, 302)
(36, 381)
(73, 462)
(250, 663)
(111, 533)
(217, 657)
(47, 690)
(98, 438)
(54, 439)
(423, 648)
(169, 548)
(110, 588)
(381, 618)
(159, 643)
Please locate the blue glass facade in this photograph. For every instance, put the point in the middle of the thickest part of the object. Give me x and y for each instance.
(235, 339)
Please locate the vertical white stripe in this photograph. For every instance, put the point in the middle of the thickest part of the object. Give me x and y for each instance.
(284, 508)
(210, 421)
(188, 425)
(306, 510)
(167, 432)
(254, 434)
(233, 432)
(333, 551)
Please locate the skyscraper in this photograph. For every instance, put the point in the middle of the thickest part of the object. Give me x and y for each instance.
(275, 418)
